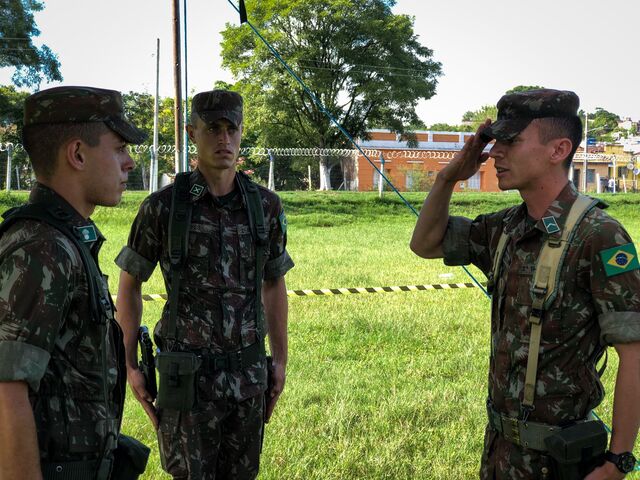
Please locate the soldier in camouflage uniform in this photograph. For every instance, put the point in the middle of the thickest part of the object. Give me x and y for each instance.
(62, 362)
(221, 436)
(597, 302)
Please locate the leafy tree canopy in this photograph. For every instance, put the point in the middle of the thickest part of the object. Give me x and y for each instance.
(17, 27)
(445, 127)
(361, 61)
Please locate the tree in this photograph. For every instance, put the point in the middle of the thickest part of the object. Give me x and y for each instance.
(523, 88)
(11, 109)
(445, 127)
(476, 117)
(17, 27)
(139, 109)
(602, 125)
(361, 61)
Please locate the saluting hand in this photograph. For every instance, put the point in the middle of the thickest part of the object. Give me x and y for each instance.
(468, 160)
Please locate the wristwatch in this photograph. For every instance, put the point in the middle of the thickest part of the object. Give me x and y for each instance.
(625, 462)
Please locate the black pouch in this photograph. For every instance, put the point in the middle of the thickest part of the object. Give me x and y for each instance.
(577, 450)
(129, 458)
(178, 375)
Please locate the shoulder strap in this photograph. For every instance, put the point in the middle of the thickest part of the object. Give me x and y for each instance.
(56, 218)
(179, 222)
(545, 284)
(497, 261)
(253, 200)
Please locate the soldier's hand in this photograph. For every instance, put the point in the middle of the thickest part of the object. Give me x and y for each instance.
(279, 376)
(608, 471)
(468, 160)
(138, 387)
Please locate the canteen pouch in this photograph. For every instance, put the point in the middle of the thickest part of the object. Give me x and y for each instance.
(577, 450)
(130, 458)
(178, 375)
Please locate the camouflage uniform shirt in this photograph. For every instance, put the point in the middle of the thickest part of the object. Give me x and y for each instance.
(216, 310)
(591, 309)
(49, 340)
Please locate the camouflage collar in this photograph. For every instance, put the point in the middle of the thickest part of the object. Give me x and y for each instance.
(550, 224)
(198, 189)
(43, 194)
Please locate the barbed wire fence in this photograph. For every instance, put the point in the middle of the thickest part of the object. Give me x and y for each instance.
(276, 168)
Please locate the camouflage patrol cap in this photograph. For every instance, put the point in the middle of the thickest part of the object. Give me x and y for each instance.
(517, 110)
(80, 105)
(216, 104)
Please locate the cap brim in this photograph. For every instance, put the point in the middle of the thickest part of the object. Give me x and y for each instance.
(210, 116)
(126, 130)
(505, 130)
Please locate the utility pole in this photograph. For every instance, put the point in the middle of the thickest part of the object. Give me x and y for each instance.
(271, 183)
(8, 180)
(177, 80)
(153, 171)
(186, 95)
(586, 151)
(380, 176)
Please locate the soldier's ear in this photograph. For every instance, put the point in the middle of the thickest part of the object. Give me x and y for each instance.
(74, 154)
(561, 148)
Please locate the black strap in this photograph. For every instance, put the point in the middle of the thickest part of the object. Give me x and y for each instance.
(253, 200)
(101, 303)
(57, 218)
(179, 222)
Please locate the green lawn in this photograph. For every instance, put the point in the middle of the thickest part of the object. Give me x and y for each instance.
(380, 386)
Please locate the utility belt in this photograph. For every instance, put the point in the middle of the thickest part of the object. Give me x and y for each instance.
(524, 434)
(127, 462)
(575, 450)
(179, 372)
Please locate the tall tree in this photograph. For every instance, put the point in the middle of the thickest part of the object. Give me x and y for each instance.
(17, 27)
(11, 108)
(364, 63)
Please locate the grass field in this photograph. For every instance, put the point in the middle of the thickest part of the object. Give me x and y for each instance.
(380, 386)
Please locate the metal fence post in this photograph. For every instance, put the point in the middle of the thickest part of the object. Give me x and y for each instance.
(8, 181)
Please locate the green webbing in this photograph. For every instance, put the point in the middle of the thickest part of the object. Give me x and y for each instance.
(253, 200)
(55, 217)
(179, 221)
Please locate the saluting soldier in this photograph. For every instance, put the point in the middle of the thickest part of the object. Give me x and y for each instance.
(62, 375)
(221, 243)
(561, 322)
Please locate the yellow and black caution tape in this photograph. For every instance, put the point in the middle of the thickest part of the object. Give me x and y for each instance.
(154, 297)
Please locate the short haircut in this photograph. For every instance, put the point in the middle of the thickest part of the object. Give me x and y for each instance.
(43, 141)
(551, 128)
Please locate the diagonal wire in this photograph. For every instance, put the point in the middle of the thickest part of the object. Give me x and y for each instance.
(341, 128)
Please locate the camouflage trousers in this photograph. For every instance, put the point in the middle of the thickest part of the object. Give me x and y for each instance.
(217, 440)
(503, 460)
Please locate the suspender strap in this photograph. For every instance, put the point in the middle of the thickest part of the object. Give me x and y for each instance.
(497, 260)
(253, 200)
(179, 221)
(548, 270)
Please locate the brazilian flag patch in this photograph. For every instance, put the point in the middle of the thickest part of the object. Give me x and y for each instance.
(620, 259)
(283, 222)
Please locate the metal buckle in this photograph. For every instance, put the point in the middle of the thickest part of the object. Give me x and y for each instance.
(511, 429)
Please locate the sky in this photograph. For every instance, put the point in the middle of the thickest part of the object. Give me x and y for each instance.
(485, 47)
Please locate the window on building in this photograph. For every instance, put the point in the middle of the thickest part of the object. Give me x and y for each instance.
(474, 182)
(591, 175)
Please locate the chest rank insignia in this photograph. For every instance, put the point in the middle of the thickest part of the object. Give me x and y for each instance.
(87, 233)
(620, 259)
(196, 190)
(550, 224)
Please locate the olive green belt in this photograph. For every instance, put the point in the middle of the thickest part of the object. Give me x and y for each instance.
(525, 434)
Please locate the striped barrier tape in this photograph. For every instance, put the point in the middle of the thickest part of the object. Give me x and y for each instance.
(155, 297)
